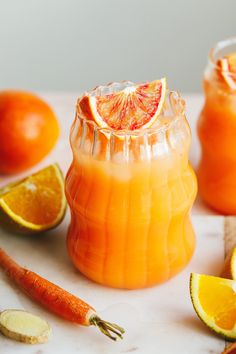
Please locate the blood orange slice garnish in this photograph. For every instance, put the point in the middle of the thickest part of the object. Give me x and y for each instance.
(125, 105)
(227, 65)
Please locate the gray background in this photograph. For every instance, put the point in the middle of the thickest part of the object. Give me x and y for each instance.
(77, 44)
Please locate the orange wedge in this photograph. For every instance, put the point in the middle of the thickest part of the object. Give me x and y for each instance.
(229, 270)
(227, 65)
(125, 105)
(214, 300)
(36, 203)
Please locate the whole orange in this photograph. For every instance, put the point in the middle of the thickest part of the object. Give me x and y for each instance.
(28, 130)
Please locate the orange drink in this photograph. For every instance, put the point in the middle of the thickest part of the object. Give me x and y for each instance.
(130, 193)
(217, 130)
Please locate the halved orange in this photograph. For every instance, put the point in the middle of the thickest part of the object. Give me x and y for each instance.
(214, 300)
(35, 203)
(227, 65)
(229, 270)
(125, 105)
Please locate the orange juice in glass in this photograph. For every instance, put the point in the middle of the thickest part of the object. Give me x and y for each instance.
(217, 130)
(130, 193)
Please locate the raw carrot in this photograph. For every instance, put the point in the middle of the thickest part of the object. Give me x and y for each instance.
(56, 299)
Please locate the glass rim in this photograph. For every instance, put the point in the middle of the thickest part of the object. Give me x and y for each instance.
(177, 105)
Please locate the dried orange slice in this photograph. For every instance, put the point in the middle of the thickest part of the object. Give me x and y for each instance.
(125, 105)
(227, 65)
(229, 270)
(36, 203)
(230, 349)
(214, 300)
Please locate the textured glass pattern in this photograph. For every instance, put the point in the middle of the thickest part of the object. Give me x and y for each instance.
(130, 193)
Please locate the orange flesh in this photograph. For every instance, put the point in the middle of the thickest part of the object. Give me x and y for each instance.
(39, 192)
(218, 300)
(231, 62)
(217, 132)
(130, 224)
(133, 110)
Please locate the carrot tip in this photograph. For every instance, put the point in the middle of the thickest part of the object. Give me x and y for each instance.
(107, 328)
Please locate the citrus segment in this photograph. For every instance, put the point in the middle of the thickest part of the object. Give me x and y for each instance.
(126, 106)
(227, 65)
(229, 270)
(35, 203)
(214, 300)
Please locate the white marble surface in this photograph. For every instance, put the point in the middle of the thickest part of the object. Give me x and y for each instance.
(157, 320)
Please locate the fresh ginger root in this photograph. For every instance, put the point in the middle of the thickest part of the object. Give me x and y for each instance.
(24, 327)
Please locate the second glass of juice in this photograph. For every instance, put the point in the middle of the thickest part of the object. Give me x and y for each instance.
(217, 130)
(130, 195)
